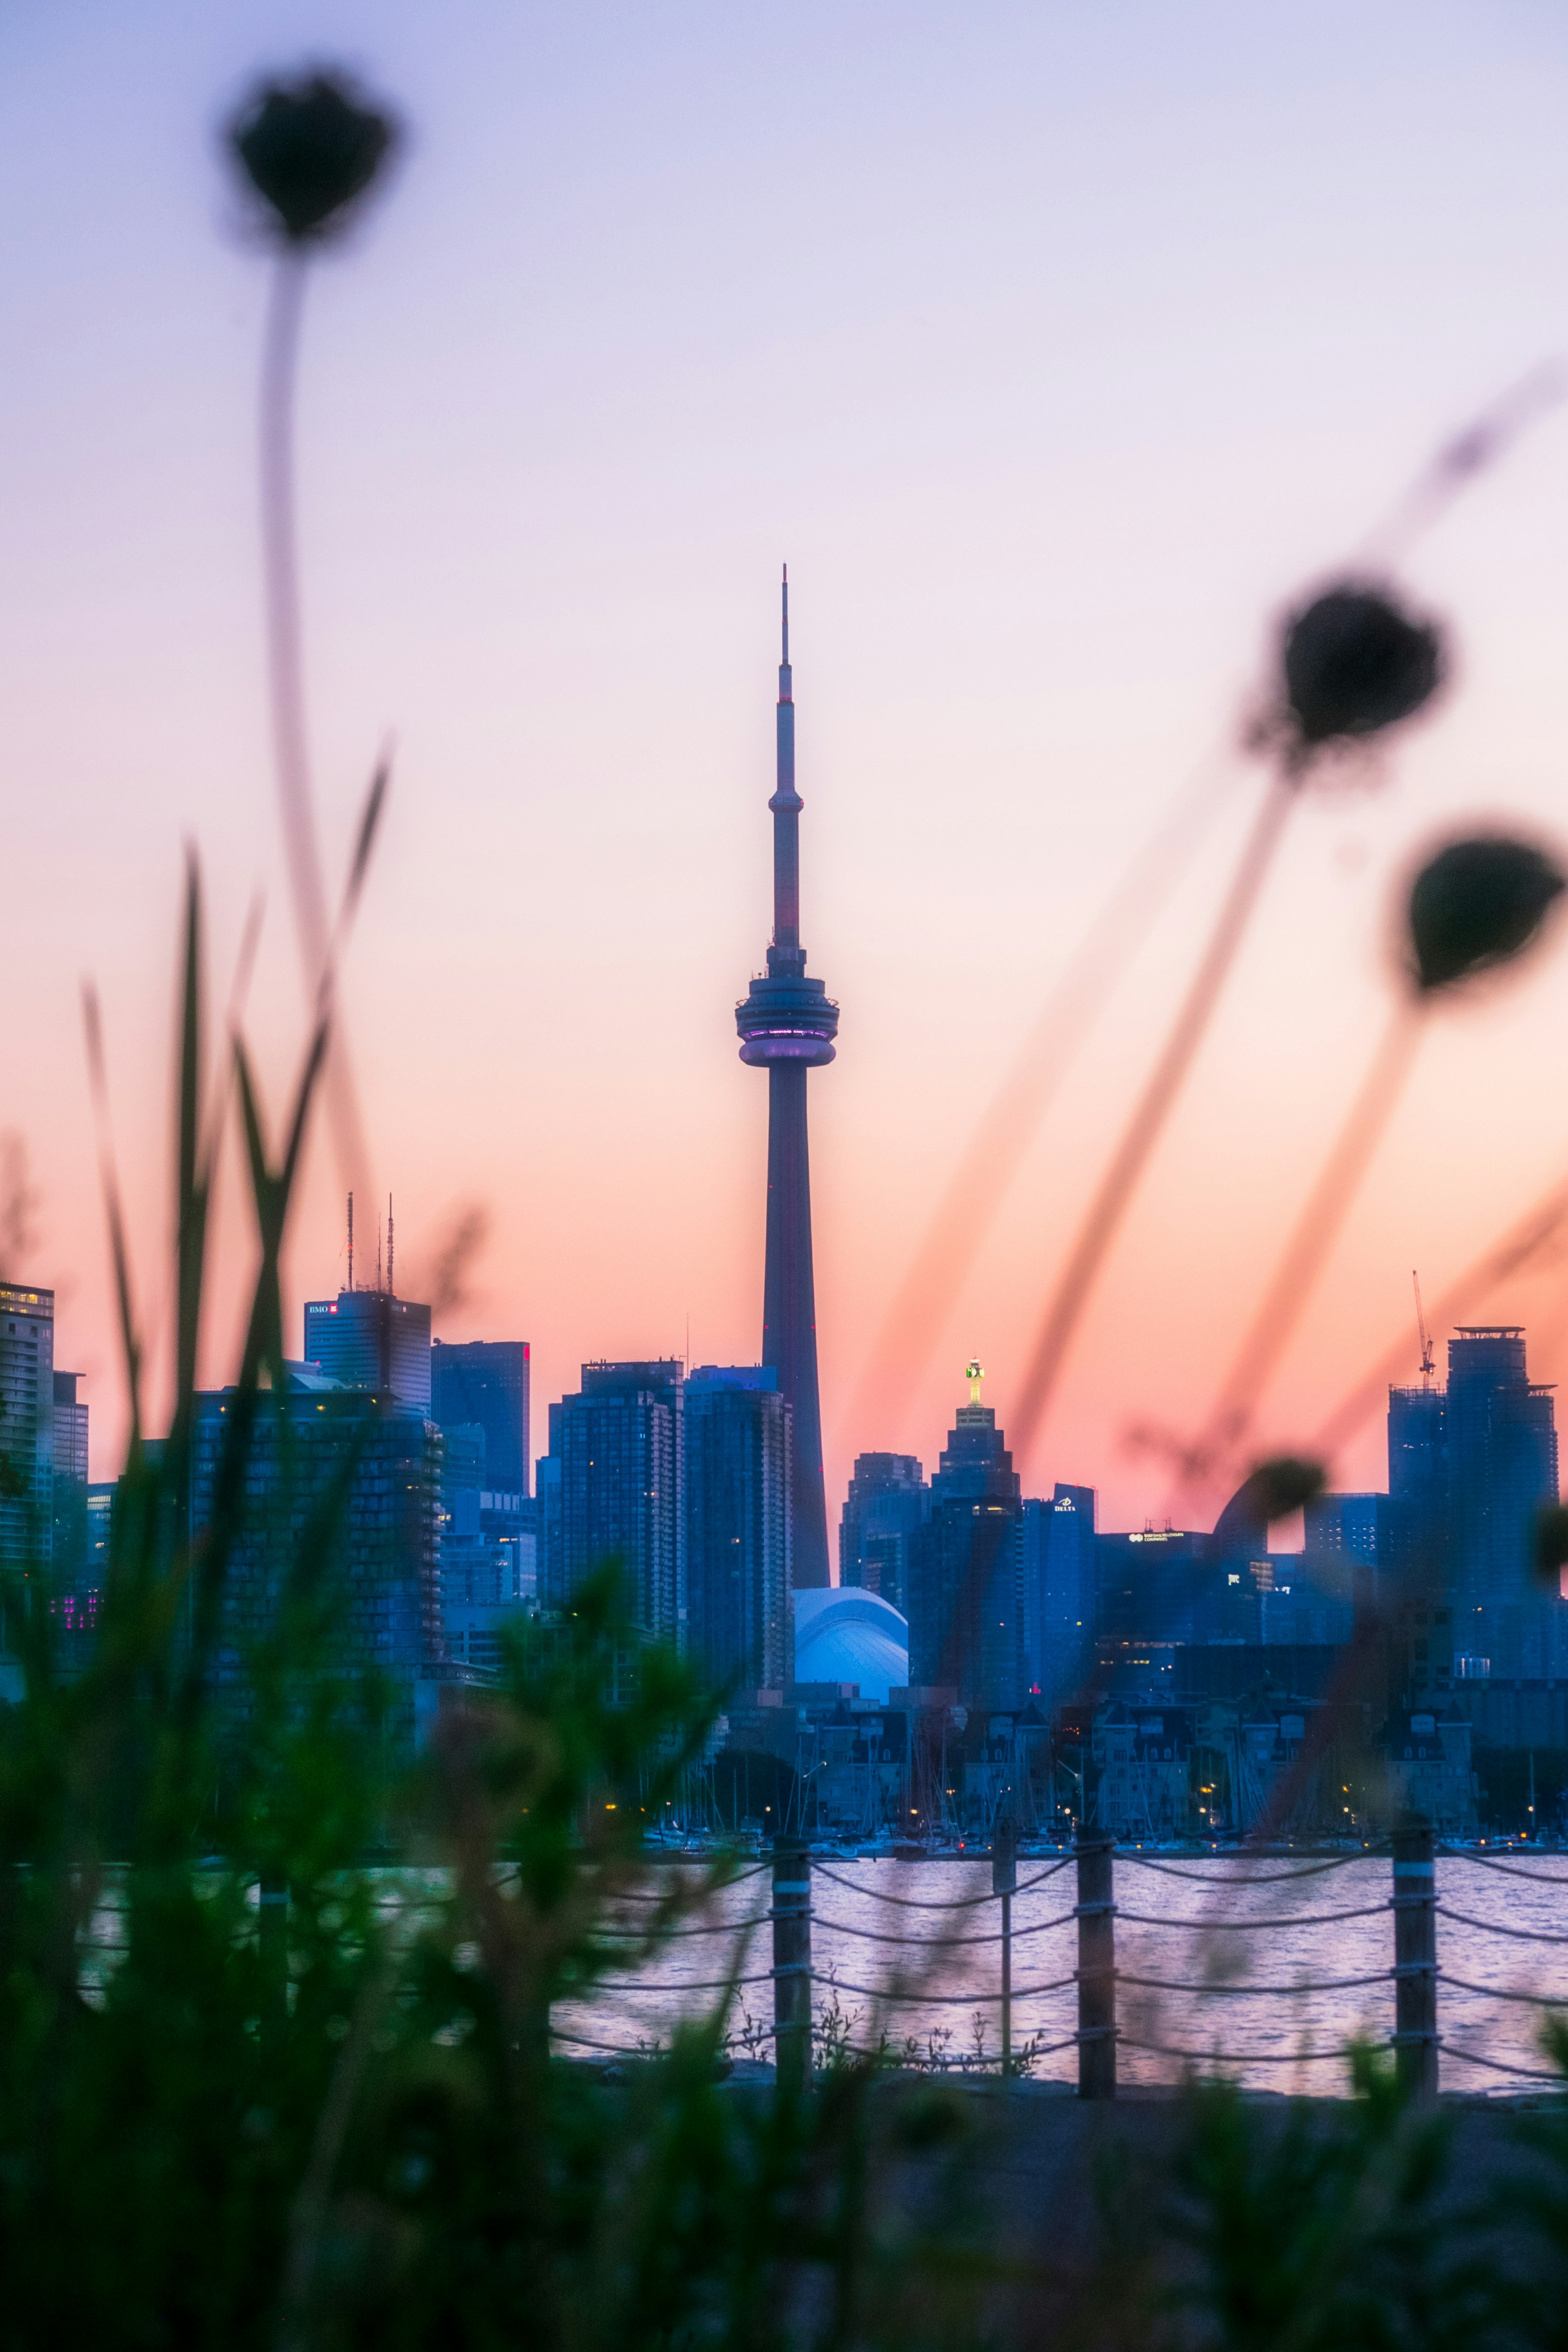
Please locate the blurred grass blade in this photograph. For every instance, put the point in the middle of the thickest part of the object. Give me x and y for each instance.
(272, 1192)
(370, 825)
(194, 1171)
(1285, 1300)
(98, 1078)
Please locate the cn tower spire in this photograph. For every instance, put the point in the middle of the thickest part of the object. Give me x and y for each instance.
(786, 953)
(786, 1026)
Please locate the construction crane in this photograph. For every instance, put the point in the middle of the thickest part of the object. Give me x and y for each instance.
(1428, 1362)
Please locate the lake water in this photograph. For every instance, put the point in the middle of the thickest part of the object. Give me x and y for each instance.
(899, 1964)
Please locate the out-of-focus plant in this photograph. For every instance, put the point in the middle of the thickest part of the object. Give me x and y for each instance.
(308, 153)
(1350, 665)
(1527, 2205)
(1474, 905)
(1333, 662)
(1316, 2229)
(1354, 662)
(275, 2059)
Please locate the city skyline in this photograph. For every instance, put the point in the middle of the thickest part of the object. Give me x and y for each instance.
(1044, 487)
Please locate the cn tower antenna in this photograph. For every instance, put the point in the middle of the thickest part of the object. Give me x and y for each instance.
(391, 1286)
(350, 1240)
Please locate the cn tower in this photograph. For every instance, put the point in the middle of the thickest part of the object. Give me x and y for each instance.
(786, 1026)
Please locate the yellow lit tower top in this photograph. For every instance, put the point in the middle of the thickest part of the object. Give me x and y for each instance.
(974, 1372)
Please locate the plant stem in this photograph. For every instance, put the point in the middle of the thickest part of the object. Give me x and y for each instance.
(1316, 1228)
(279, 376)
(285, 673)
(1153, 1108)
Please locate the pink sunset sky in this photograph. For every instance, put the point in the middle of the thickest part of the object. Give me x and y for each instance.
(1055, 348)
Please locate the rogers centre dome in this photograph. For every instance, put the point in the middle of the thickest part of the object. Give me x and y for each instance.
(843, 1634)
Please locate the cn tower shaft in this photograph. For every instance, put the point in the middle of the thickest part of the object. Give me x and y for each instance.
(788, 1024)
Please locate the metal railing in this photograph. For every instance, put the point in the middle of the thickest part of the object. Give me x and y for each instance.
(1414, 1973)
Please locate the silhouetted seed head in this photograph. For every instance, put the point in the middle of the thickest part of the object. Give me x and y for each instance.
(311, 150)
(1354, 663)
(1272, 1491)
(1551, 1544)
(1478, 903)
(1283, 1484)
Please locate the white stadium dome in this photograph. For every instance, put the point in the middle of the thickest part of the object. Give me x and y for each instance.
(843, 1634)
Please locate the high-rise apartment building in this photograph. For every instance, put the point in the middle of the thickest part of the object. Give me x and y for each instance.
(488, 1550)
(383, 1571)
(618, 1445)
(888, 1499)
(70, 1449)
(1502, 1465)
(27, 1425)
(1469, 1467)
(486, 1382)
(1059, 1562)
(965, 1617)
(369, 1339)
(487, 1534)
(1345, 1526)
(547, 1518)
(1150, 1586)
(737, 1524)
(71, 1537)
(462, 1483)
(1415, 1555)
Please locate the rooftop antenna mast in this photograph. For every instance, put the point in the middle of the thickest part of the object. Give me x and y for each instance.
(350, 1240)
(1428, 1362)
(391, 1285)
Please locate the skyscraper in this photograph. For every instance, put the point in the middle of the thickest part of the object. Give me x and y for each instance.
(965, 1614)
(1469, 1468)
(1346, 1524)
(786, 1026)
(487, 1382)
(1059, 1562)
(70, 1474)
(384, 1567)
(371, 1340)
(70, 1453)
(26, 1423)
(1502, 1464)
(888, 1498)
(619, 1446)
(737, 1523)
(1415, 1560)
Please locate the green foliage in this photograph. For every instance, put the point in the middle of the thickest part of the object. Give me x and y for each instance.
(1315, 2227)
(275, 2065)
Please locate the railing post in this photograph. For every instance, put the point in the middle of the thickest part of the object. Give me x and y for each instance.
(1415, 1959)
(792, 1962)
(1096, 1967)
(1004, 1882)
